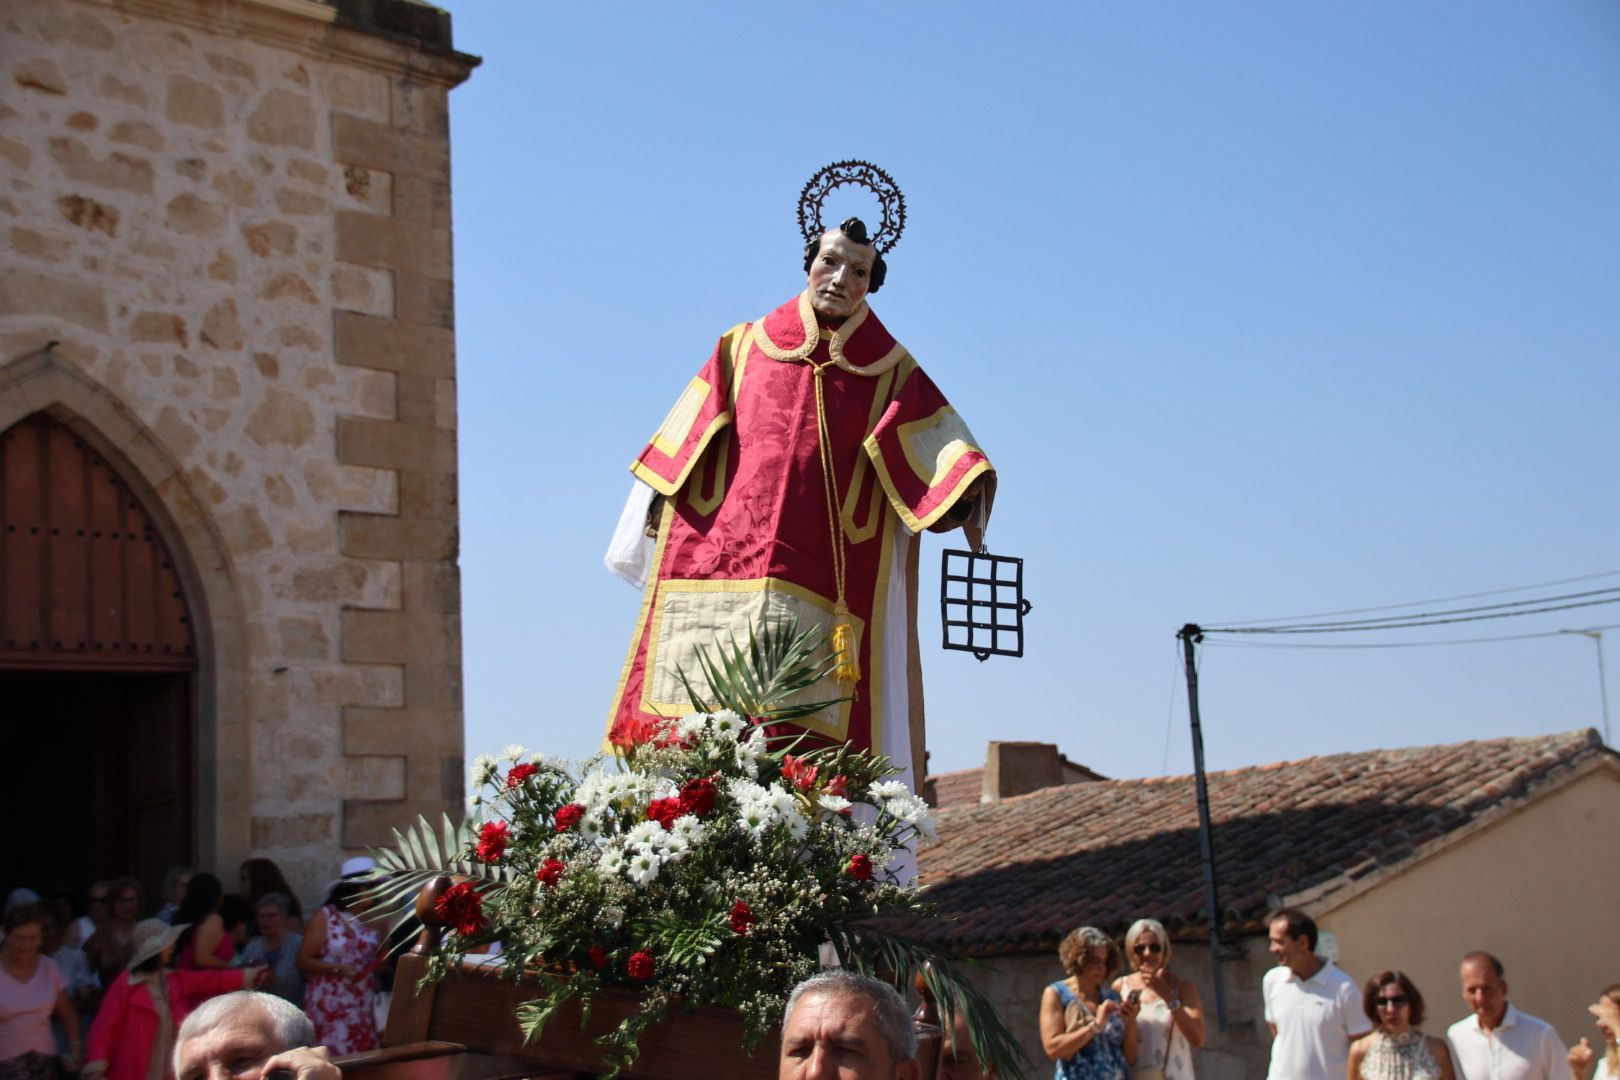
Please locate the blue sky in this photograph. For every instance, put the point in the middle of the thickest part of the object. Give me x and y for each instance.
(1260, 309)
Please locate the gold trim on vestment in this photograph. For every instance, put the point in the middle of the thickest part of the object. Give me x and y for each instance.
(664, 521)
(676, 587)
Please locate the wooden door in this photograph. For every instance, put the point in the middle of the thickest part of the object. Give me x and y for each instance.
(97, 673)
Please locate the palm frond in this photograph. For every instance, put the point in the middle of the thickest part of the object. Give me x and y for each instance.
(415, 860)
(887, 955)
(758, 677)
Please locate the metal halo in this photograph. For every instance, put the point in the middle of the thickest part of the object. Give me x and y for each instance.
(863, 174)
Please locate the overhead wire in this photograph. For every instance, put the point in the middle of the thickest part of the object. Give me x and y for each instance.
(1432, 618)
(1250, 644)
(1418, 603)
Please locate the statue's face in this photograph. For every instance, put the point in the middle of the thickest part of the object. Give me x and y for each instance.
(840, 275)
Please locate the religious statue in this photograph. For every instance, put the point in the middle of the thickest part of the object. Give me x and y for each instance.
(790, 482)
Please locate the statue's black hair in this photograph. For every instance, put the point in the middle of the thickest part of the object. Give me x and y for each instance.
(855, 229)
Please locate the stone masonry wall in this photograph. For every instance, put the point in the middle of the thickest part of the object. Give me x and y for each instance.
(234, 218)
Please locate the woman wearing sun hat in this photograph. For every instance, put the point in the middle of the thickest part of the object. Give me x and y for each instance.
(339, 958)
(143, 1008)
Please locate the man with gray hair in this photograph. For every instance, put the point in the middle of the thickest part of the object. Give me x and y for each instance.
(842, 1026)
(250, 1036)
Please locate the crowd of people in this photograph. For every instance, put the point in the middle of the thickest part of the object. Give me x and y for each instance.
(107, 995)
(1144, 1025)
(114, 996)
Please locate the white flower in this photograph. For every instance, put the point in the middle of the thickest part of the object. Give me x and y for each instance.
(834, 804)
(646, 836)
(785, 808)
(688, 831)
(755, 816)
(691, 726)
(748, 751)
(514, 752)
(611, 862)
(589, 828)
(484, 768)
(889, 789)
(612, 916)
(746, 790)
(474, 801)
(643, 868)
(727, 725)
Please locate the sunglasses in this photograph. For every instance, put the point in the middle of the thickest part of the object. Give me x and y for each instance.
(1399, 1001)
(1150, 949)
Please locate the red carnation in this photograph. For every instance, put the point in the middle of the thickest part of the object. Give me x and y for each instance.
(698, 796)
(549, 872)
(640, 966)
(520, 773)
(492, 840)
(568, 816)
(742, 917)
(666, 811)
(460, 906)
(598, 955)
(860, 867)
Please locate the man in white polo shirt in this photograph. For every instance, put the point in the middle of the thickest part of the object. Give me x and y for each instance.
(1312, 1008)
(1498, 1042)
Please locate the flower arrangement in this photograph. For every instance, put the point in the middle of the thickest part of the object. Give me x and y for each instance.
(709, 862)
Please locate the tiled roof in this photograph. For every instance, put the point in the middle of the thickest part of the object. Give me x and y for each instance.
(960, 788)
(1016, 875)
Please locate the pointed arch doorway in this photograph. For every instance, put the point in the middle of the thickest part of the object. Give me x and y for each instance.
(98, 665)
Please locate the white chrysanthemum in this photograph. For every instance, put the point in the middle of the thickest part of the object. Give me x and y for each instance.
(589, 828)
(611, 862)
(643, 867)
(612, 917)
(727, 725)
(834, 804)
(691, 726)
(688, 831)
(746, 790)
(591, 792)
(889, 789)
(646, 836)
(755, 815)
(483, 770)
(514, 752)
(474, 801)
(785, 808)
(748, 751)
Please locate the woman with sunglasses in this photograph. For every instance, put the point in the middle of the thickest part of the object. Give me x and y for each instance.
(1171, 1022)
(1395, 1049)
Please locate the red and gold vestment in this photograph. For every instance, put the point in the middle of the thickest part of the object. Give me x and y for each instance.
(746, 532)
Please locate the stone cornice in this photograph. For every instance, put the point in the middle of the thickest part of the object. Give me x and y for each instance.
(313, 28)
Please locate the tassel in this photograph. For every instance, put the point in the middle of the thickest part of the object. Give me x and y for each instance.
(848, 670)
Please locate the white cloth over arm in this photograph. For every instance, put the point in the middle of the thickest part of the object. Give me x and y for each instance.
(629, 553)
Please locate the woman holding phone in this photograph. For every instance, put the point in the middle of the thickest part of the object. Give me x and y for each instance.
(1086, 1030)
(1171, 1022)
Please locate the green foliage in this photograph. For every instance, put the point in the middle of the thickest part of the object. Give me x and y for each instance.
(778, 663)
(708, 864)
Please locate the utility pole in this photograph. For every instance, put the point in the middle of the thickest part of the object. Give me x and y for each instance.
(1190, 635)
(1603, 681)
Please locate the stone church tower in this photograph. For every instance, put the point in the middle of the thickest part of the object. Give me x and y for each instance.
(229, 591)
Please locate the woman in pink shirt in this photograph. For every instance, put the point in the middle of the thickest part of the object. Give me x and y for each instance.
(32, 990)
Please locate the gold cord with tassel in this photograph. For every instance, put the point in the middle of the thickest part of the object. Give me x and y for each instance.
(848, 669)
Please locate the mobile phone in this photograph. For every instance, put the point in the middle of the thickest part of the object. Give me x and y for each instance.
(1133, 997)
